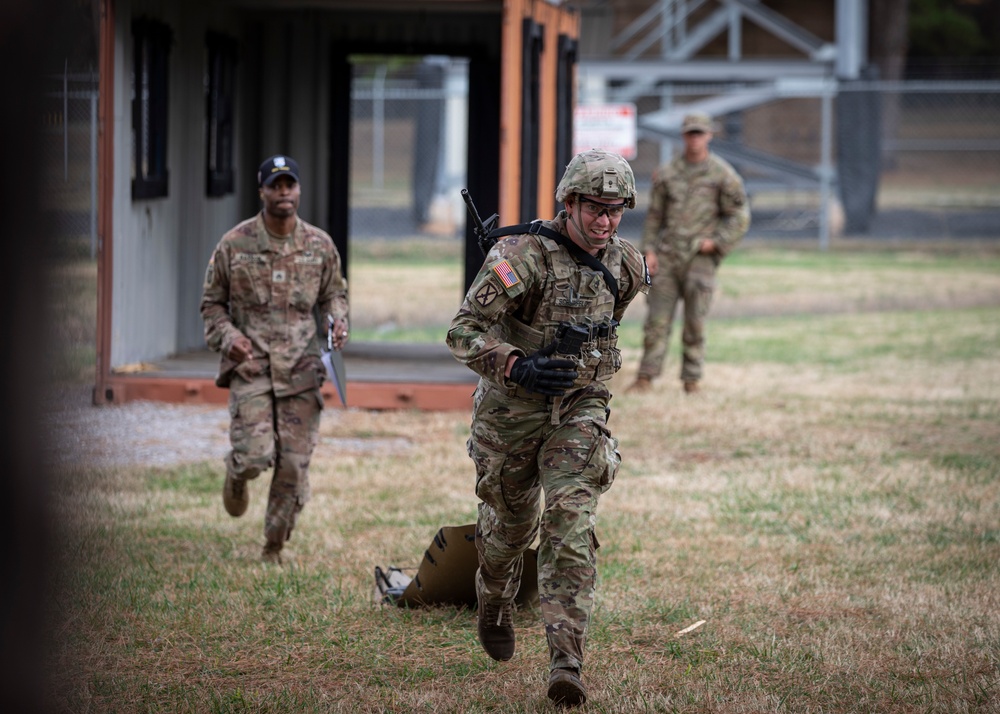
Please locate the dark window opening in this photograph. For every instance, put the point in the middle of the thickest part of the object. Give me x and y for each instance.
(533, 35)
(150, 78)
(565, 102)
(220, 103)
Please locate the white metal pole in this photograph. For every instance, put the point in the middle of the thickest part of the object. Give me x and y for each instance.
(378, 127)
(826, 166)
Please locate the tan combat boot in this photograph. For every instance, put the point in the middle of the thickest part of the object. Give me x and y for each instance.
(640, 385)
(271, 553)
(496, 629)
(691, 387)
(234, 495)
(566, 688)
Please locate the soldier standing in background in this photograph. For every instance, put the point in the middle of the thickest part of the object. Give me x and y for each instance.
(698, 212)
(540, 410)
(266, 280)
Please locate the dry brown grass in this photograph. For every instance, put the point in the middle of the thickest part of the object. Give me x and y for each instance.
(835, 520)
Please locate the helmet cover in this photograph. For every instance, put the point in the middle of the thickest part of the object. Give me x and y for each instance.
(600, 173)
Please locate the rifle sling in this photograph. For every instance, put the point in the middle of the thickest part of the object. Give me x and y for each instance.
(581, 256)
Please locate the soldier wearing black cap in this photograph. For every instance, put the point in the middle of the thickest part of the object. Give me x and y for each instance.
(264, 281)
(277, 166)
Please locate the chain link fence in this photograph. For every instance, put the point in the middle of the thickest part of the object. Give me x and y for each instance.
(69, 155)
(907, 160)
(408, 147)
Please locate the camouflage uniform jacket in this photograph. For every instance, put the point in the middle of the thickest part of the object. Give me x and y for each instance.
(527, 287)
(691, 202)
(266, 289)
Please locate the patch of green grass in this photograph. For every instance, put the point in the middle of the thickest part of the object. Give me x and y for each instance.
(402, 334)
(978, 468)
(844, 341)
(852, 261)
(374, 254)
(72, 363)
(201, 478)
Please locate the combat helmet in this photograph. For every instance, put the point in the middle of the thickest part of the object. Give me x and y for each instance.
(597, 172)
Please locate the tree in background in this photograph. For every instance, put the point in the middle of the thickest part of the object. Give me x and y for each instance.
(930, 39)
(888, 35)
(948, 32)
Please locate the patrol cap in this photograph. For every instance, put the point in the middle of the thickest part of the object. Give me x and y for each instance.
(697, 121)
(276, 166)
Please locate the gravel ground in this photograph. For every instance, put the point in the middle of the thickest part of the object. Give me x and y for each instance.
(137, 433)
(144, 433)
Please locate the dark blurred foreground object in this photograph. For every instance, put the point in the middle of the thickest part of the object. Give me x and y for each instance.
(34, 42)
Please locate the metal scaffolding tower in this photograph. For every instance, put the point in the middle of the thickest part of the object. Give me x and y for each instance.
(719, 86)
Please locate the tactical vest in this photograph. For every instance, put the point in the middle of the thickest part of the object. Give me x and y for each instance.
(573, 294)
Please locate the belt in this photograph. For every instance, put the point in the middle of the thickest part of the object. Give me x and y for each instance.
(520, 392)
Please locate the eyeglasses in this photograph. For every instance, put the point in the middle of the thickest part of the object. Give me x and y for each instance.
(595, 208)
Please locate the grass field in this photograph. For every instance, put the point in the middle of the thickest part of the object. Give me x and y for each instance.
(829, 506)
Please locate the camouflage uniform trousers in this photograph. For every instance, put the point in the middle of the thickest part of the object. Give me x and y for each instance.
(281, 432)
(693, 284)
(520, 455)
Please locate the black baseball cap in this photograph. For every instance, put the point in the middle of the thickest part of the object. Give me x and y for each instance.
(276, 166)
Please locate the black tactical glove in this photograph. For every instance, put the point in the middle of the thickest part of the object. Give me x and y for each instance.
(540, 373)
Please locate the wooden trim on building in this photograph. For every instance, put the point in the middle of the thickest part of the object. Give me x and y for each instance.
(510, 110)
(556, 20)
(421, 396)
(556, 24)
(103, 391)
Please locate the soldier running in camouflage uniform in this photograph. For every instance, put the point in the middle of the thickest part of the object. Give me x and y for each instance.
(698, 212)
(540, 416)
(265, 281)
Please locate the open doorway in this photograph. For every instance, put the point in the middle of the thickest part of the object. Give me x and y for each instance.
(408, 139)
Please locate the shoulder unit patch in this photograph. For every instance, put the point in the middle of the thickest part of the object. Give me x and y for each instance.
(487, 294)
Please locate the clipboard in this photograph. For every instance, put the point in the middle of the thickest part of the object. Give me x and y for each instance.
(333, 361)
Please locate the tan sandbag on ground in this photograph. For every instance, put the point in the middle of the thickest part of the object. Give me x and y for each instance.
(447, 573)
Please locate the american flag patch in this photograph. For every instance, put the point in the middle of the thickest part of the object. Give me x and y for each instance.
(506, 274)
